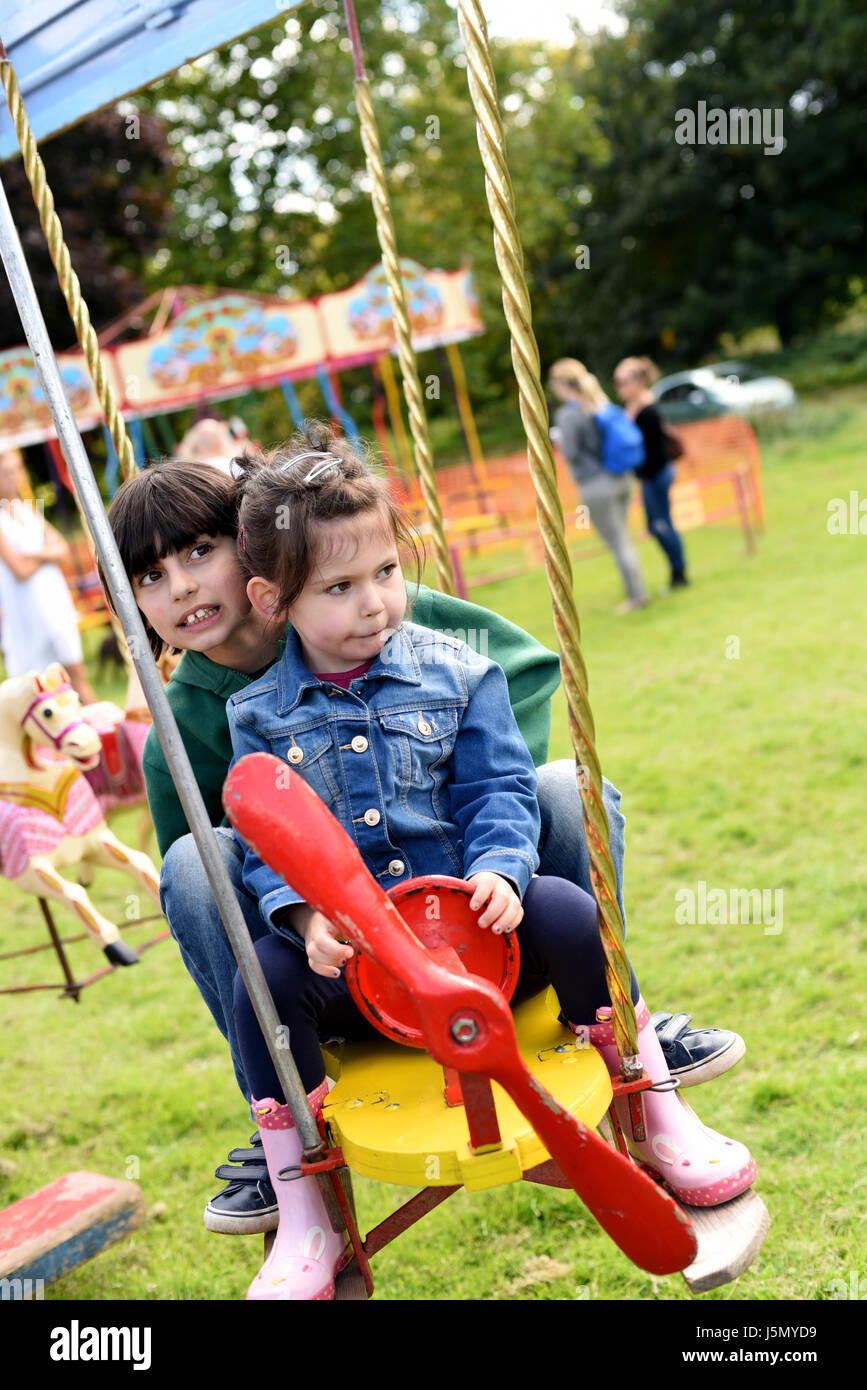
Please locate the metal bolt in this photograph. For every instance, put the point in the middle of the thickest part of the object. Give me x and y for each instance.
(465, 1029)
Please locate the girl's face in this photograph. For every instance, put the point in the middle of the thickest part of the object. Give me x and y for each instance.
(628, 384)
(196, 599)
(354, 598)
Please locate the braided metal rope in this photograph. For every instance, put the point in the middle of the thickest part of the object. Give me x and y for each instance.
(549, 510)
(66, 276)
(409, 369)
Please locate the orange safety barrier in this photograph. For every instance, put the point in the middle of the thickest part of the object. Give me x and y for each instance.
(718, 479)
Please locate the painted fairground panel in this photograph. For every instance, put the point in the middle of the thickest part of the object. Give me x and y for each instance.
(442, 307)
(24, 414)
(74, 56)
(221, 345)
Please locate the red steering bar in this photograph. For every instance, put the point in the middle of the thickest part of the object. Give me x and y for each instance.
(465, 1022)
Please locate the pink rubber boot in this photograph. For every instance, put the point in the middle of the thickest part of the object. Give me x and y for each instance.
(306, 1253)
(700, 1167)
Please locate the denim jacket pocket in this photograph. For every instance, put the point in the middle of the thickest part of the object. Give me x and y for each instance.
(307, 754)
(421, 742)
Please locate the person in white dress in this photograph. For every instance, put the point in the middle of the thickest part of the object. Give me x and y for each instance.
(38, 622)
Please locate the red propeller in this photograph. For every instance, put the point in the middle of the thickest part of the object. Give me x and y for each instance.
(465, 1022)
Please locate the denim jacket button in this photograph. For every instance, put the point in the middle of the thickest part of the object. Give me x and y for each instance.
(423, 726)
(359, 744)
(295, 755)
(372, 817)
(396, 868)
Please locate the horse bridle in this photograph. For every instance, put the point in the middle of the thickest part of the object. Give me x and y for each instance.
(56, 739)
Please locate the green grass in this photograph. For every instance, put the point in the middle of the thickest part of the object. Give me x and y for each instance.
(745, 772)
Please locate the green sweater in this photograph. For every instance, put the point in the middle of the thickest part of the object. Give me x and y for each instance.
(199, 689)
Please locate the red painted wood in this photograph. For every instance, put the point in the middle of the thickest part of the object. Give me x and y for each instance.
(32, 1226)
(281, 817)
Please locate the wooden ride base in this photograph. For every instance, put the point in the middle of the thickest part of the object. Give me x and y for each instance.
(388, 1114)
(729, 1239)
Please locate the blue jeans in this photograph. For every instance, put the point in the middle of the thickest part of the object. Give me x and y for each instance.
(659, 523)
(196, 925)
(563, 851)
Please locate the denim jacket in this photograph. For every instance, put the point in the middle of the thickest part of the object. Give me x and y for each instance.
(420, 760)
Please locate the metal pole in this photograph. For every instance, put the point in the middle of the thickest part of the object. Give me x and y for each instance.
(164, 721)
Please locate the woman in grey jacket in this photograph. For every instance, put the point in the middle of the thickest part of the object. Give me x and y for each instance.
(605, 495)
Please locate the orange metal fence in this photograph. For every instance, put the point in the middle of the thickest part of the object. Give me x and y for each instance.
(718, 479)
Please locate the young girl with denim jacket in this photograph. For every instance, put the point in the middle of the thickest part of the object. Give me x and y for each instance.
(409, 739)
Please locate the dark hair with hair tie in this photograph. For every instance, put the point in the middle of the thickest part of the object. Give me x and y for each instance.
(288, 496)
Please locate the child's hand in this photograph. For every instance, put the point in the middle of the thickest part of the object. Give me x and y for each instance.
(327, 950)
(504, 911)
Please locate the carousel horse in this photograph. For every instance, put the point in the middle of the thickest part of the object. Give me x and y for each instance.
(49, 816)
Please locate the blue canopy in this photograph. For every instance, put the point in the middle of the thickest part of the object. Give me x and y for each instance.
(74, 56)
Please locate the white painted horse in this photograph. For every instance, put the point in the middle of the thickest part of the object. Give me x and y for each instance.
(49, 816)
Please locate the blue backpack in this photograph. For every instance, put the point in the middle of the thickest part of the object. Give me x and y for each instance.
(622, 440)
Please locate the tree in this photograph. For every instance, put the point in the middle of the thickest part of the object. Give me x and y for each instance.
(688, 241)
(271, 189)
(111, 182)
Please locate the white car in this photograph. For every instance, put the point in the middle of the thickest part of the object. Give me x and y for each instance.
(721, 388)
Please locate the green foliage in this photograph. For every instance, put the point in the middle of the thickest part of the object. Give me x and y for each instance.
(248, 171)
(690, 241)
(111, 183)
(272, 193)
(685, 243)
(834, 357)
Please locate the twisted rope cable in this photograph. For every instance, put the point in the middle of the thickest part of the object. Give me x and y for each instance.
(400, 314)
(549, 511)
(66, 276)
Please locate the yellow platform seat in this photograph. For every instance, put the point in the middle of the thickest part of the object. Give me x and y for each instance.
(388, 1114)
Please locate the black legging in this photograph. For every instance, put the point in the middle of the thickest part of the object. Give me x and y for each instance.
(560, 946)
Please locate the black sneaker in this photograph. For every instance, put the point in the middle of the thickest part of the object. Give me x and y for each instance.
(694, 1055)
(247, 1206)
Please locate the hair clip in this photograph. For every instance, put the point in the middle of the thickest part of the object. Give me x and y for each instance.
(327, 461)
(330, 461)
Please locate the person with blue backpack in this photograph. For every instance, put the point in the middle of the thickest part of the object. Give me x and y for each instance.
(632, 380)
(603, 448)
